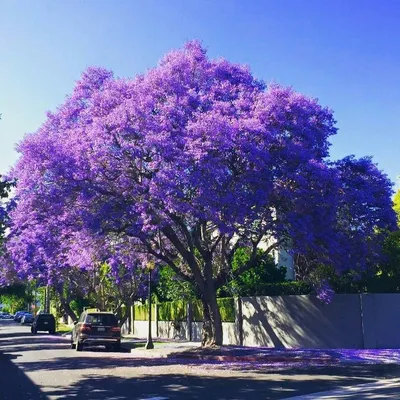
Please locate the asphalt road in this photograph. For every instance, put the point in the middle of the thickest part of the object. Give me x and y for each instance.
(44, 367)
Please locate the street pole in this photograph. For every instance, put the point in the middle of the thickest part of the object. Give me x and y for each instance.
(47, 310)
(149, 344)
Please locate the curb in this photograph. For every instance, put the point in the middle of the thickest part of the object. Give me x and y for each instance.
(258, 359)
(355, 390)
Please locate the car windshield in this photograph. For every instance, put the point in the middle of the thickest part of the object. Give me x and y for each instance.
(102, 319)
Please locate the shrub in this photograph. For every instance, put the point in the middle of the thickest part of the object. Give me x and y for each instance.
(141, 312)
(226, 307)
(172, 311)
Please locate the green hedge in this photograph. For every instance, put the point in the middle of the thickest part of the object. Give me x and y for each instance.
(226, 308)
(286, 288)
(172, 311)
(141, 312)
(197, 308)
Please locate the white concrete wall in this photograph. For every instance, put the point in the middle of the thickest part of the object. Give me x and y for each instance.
(381, 320)
(173, 330)
(302, 322)
(350, 321)
(141, 329)
(125, 327)
(230, 333)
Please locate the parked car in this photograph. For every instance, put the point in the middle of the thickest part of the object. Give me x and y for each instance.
(5, 315)
(44, 322)
(96, 328)
(27, 318)
(18, 315)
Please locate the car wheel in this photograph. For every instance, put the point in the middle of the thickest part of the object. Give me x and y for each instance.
(79, 346)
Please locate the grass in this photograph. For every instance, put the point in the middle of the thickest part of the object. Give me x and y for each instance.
(63, 328)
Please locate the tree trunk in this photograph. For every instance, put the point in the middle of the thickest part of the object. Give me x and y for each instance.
(68, 310)
(123, 316)
(212, 324)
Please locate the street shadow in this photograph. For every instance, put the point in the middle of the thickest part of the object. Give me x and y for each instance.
(185, 386)
(14, 384)
(29, 342)
(14, 335)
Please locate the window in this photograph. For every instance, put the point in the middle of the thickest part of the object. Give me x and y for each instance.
(102, 319)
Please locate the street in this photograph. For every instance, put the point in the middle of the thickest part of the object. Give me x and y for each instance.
(44, 367)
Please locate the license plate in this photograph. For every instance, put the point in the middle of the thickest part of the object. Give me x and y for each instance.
(101, 329)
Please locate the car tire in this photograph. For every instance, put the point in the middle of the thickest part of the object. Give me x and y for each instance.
(79, 346)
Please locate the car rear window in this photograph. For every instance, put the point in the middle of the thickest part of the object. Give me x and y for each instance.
(102, 319)
(44, 316)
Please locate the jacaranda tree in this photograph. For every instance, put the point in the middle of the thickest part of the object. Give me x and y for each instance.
(187, 163)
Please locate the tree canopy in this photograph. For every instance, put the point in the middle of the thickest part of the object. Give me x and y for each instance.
(183, 165)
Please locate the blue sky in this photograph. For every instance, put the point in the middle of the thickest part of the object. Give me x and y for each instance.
(346, 53)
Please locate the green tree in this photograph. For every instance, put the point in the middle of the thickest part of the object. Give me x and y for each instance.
(396, 206)
(251, 283)
(16, 297)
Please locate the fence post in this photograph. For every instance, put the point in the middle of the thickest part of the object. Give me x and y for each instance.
(189, 319)
(156, 317)
(133, 320)
(239, 319)
(362, 321)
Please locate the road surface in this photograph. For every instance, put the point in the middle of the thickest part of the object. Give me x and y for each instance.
(42, 366)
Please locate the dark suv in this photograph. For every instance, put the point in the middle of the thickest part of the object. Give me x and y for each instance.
(44, 322)
(96, 328)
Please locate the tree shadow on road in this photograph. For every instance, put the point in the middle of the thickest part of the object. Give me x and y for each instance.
(8, 335)
(184, 387)
(31, 342)
(158, 377)
(14, 384)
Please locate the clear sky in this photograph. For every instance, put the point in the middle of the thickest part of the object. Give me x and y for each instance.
(345, 52)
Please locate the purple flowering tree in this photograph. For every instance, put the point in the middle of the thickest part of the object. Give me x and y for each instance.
(187, 163)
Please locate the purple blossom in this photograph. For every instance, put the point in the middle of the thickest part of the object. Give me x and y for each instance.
(176, 165)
